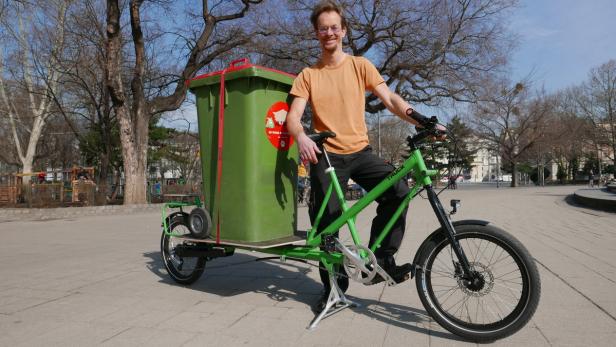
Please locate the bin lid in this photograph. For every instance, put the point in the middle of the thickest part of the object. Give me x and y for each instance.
(241, 68)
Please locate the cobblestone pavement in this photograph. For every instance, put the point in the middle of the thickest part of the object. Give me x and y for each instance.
(98, 280)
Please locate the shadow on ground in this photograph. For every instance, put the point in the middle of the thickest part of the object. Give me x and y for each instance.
(401, 316)
(277, 282)
(569, 200)
(281, 284)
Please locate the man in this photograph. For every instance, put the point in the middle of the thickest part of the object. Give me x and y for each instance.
(336, 88)
(591, 178)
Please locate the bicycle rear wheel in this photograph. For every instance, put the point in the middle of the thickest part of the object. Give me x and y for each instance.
(183, 270)
(499, 299)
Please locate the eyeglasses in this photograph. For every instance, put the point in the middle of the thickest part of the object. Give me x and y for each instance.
(325, 30)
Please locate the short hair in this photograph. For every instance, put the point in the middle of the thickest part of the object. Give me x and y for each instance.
(327, 6)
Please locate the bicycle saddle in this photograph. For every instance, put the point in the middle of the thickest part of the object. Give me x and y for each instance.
(320, 137)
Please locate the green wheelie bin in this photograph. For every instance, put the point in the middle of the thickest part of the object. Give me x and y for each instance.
(249, 163)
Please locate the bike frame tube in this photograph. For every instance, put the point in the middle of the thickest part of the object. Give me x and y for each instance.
(304, 253)
(414, 163)
(396, 215)
(445, 222)
(319, 215)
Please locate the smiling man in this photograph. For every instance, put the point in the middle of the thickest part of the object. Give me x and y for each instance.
(336, 89)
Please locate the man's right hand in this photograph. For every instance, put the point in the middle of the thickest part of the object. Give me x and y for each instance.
(308, 149)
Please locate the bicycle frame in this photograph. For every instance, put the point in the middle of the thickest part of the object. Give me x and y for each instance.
(311, 251)
(414, 163)
(422, 175)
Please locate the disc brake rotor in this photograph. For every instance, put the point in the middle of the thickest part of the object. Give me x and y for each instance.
(484, 285)
(358, 268)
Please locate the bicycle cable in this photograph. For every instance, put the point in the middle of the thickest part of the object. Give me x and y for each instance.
(456, 157)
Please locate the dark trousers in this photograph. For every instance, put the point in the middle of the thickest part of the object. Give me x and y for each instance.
(367, 170)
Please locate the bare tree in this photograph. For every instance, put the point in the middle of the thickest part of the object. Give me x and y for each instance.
(569, 133)
(135, 103)
(389, 137)
(511, 121)
(32, 75)
(429, 51)
(85, 104)
(596, 100)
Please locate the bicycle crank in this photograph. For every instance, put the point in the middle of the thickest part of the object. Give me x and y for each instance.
(359, 268)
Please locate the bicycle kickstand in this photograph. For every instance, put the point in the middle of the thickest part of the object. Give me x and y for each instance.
(336, 302)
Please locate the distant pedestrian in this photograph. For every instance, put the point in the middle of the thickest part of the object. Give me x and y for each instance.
(591, 179)
(452, 182)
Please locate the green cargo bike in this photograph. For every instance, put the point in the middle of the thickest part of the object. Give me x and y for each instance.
(473, 278)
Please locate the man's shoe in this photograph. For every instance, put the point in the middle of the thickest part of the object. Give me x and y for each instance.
(399, 273)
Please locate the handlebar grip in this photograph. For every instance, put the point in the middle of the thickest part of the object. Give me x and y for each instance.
(426, 122)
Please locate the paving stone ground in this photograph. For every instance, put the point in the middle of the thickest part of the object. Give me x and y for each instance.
(99, 280)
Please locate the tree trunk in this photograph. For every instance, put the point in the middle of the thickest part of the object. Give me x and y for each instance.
(514, 174)
(133, 121)
(133, 136)
(135, 109)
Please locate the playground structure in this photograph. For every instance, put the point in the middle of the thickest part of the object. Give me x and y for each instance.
(52, 188)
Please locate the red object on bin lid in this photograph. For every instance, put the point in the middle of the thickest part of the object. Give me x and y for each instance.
(236, 65)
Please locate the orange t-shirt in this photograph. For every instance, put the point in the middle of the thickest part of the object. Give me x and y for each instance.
(338, 99)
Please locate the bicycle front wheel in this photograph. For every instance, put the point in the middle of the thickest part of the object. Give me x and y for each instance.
(499, 299)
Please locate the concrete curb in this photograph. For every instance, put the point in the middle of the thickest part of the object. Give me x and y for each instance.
(22, 214)
(598, 199)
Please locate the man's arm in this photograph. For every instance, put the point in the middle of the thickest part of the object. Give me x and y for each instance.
(394, 103)
(398, 106)
(307, 148)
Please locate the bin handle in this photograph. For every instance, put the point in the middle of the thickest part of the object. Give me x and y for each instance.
(234, 63)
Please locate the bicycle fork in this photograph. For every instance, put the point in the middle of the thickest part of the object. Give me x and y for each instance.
(446, 224)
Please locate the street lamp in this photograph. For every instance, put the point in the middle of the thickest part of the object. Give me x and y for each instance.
(498, 173)
(378, 131)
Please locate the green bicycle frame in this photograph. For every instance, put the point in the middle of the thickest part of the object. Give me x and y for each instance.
(421, 174)
(311, 251)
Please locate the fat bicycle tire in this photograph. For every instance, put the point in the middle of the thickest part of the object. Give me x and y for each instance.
(183, 270)
(508, 273)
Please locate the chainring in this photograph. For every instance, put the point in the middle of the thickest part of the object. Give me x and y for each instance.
(359, 269)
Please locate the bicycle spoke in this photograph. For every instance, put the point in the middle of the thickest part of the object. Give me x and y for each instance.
(477, 310)
(505, 274)
(478, 251)
(512, 281)
(500, 258)
(495, 295)
(453, 291)
(468, 313)
(513, 294)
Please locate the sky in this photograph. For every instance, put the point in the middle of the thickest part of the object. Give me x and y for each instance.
(562, 40)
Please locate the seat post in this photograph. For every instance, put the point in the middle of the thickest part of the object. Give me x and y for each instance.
(329, 164)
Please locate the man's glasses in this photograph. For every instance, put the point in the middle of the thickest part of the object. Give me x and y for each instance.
(325, 30)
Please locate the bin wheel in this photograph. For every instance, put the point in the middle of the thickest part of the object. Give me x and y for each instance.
(200, 223)
(183, 270)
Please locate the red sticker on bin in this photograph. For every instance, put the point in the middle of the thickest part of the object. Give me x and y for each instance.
(276, 126)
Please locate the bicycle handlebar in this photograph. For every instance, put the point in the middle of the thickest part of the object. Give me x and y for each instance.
(428, 128)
